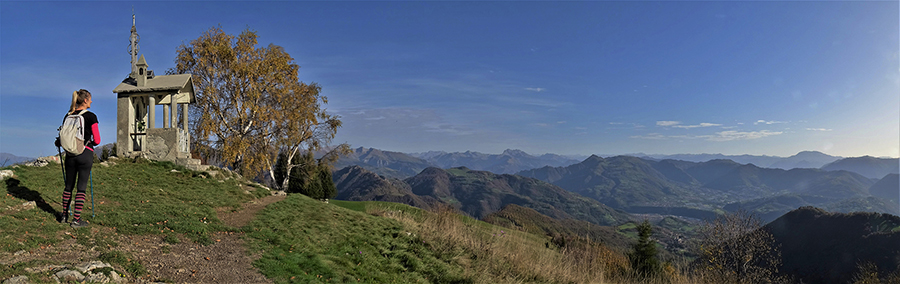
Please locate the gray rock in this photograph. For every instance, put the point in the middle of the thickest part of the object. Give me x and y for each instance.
(114, 277)
(88, 266)
(48, 159)
(17, 280)
(24, 206)
(44, 268)
(6, 173)
(96, 278)
(28, 205)
(69, 275)
(40, 162)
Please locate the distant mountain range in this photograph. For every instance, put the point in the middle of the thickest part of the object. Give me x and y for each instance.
(697, 189)
(386, 163)
(355, 183)
(667, 186)
(867, 166)
(805, 159)
(403, 165)
(619, 182)
(7, 159)
(887, 188)
(770, 208)
(508, 162)
(477, 193)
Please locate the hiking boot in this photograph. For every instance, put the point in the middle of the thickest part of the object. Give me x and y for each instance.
(62, 217)
(78, 223)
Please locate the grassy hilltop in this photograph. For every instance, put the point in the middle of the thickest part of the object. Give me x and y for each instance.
(157, 222)
(150, 213)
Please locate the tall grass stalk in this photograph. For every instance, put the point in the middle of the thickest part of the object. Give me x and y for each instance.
(498, 255)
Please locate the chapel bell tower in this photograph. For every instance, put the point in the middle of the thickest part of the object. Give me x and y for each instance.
(137, 133)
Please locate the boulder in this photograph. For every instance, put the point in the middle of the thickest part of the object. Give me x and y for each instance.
(6, 173)
(88, 266)
(44, 268)
(96, 278)
(69, 275)
(17, 280)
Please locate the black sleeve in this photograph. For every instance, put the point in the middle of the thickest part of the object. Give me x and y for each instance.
(89, 120)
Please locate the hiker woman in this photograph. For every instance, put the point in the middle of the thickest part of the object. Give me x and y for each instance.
(79, 166)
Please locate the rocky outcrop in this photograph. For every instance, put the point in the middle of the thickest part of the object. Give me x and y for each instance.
(90, 272)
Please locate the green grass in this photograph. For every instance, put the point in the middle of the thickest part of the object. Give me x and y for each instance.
(136, 197)
(361, 206)
(352, 205)
(303, 240)
(124, 259)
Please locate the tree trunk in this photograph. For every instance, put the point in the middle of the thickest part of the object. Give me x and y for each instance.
(289, 166)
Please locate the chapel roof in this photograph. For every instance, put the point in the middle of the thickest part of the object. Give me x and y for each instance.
(156, 84)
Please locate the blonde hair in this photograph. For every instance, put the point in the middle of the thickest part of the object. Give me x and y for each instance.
(78, 98)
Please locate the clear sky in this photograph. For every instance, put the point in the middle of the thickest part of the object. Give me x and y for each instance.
(747, 77)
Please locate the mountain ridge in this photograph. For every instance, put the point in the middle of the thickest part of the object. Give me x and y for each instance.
(7, 159)
(642, 186)
(867, 166)
(477, 193)
(817, 245)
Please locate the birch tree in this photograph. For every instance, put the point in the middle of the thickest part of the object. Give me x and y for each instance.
(250, 104)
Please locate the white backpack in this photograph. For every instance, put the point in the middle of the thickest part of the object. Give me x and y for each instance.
(71, 133)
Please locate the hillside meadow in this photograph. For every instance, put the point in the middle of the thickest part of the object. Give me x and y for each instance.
(158, 222)
(296, 240)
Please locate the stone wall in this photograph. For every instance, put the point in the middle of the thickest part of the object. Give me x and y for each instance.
(165, 144)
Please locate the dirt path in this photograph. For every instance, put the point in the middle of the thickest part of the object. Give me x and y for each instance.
(225, 261)
(242, 217)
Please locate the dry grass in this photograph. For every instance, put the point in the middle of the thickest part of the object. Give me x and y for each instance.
(492, 254)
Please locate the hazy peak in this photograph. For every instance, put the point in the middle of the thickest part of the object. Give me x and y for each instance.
(515, 152)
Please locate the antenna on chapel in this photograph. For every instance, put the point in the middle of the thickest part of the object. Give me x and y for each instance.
(133, 47)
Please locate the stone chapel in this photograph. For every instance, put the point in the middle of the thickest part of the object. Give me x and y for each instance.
(137, 133)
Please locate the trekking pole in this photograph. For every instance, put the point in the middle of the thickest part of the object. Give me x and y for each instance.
(63, 166)
(92, 196)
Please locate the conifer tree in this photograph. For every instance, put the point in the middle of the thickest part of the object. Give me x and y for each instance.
(326, 182)
(309, 176)
(643, 254)
(303, 175)
(280, 170)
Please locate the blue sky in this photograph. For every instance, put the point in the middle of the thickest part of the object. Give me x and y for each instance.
(763, 78)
